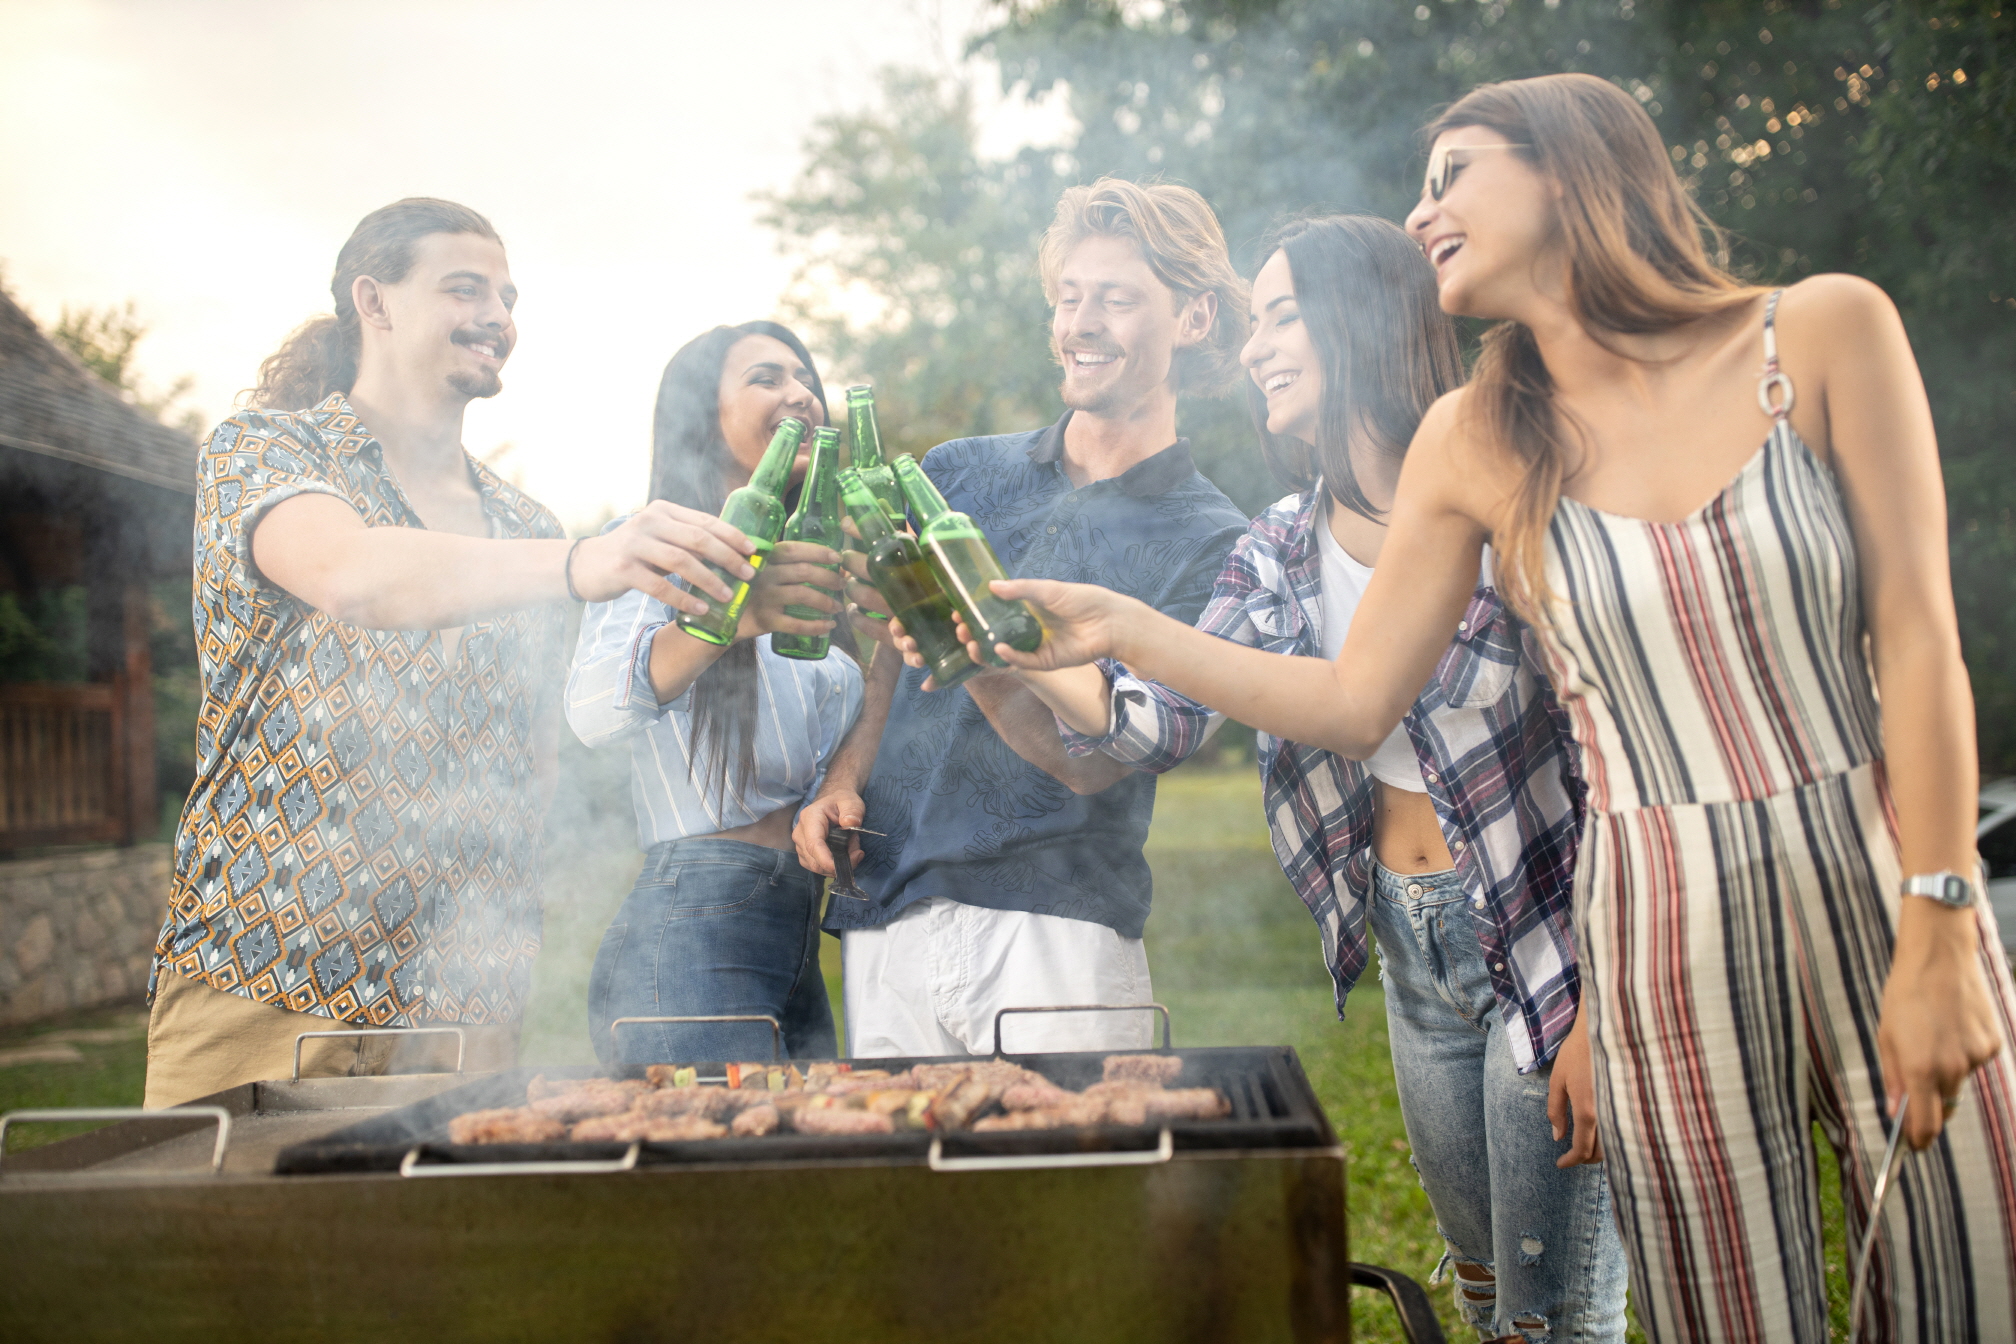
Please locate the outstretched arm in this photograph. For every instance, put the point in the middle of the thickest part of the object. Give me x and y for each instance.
(316, 547)
(1425, 577)
(1079, 696)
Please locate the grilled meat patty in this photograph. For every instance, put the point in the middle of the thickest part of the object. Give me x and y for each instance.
(1158, 1069)
(515, 1124)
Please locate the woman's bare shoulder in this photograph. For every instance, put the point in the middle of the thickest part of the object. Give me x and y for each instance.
(1455, 458)
(1835, 305)
(1446, 425)
(1842, 336)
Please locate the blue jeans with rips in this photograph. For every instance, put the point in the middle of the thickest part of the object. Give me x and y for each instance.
(712, 928)
(1482, 1143)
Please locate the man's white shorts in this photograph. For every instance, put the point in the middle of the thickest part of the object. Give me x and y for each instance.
(930, 981)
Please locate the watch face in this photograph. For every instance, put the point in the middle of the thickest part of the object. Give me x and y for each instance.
(1949, 889)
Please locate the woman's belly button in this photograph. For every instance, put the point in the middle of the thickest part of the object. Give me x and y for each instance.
(1406, 833)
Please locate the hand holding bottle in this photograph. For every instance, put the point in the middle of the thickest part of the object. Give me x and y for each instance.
(797, 574)
(863, 601)
(757, 511)
(659, 542)
(814, 527)
(913, 655)
(964, 563)
(905, 583)
(1083, 621)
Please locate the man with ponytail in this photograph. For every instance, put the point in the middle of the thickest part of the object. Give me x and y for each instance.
(378, 624)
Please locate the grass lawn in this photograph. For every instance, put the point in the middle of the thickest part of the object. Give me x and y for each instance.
(1233, 953)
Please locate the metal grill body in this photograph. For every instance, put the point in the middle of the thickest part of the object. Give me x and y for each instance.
(310, 1232)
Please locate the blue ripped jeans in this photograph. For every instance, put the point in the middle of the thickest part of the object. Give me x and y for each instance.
(712, 928)
(1482, 1142)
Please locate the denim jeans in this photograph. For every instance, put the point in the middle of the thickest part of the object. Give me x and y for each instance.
(712, 928)
(1482, 1143)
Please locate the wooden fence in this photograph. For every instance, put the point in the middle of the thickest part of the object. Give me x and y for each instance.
(64, 765)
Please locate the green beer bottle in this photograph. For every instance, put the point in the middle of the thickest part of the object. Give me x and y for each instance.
(868, 458)
(757, 509)
(966, 564)
(817, 520)
(902, 573)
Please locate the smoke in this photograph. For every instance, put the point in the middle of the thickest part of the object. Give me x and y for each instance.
(1231, 949)
(592, 858)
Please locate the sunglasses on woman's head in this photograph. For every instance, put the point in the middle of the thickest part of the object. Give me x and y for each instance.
(1443, 165)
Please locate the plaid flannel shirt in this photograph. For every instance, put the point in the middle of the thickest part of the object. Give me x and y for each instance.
(1495, 753)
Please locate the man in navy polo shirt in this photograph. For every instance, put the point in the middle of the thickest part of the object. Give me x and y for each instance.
(1009, 873)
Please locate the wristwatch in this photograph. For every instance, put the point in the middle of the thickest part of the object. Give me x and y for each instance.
(1949, 889)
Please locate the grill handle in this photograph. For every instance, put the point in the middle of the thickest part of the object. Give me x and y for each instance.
(1410, 1301)
(411, 1165)
(1160, 1153)
(776, 1031)
(66, 1115)
(1084, 1008)
(461, 1041)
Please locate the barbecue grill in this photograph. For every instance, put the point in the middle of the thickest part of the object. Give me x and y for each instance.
(336, 1209)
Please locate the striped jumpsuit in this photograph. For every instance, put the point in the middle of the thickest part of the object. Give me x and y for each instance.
(1735, 910)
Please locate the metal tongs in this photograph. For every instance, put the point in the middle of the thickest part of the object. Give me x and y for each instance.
(1893, 1157)
(840, 841)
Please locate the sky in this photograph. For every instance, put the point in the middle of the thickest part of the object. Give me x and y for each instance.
(206, 159)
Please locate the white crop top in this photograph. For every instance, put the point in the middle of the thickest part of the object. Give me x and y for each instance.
(1344, 581)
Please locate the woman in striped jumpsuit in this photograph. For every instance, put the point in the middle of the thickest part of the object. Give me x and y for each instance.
(1751, 966)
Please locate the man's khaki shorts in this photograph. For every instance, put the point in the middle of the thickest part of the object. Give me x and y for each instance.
(202, 1040)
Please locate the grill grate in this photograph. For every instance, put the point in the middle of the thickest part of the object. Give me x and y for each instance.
(1272, 1107)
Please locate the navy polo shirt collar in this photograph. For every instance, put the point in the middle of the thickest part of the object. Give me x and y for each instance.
(1151, 476)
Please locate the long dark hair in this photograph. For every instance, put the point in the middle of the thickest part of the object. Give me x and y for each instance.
(1642, 257)
(321, 356)
(691, 464)
(1368, 298)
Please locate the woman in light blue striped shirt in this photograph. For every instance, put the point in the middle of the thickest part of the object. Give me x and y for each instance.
(724, 743)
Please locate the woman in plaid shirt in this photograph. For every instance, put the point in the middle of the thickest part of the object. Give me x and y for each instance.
(1455, 841)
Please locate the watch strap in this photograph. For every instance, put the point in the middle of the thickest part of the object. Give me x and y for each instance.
(1950, 889)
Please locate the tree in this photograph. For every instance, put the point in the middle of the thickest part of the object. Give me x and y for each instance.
(104, 339)
(895, 206)
(1872, 140)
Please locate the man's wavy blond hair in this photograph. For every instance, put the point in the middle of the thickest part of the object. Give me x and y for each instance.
(1184, 246)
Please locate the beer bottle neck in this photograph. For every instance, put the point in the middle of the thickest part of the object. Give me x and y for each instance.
(820, 493)
(922, 496)
(773, 473)
(860, 504)
(865, 432)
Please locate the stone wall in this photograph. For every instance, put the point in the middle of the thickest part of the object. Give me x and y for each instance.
(78, 929)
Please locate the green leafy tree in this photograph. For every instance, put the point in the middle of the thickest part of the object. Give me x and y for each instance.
(896, 210)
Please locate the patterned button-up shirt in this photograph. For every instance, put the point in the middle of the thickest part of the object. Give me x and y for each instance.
(1495, 754)
(363, 840)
